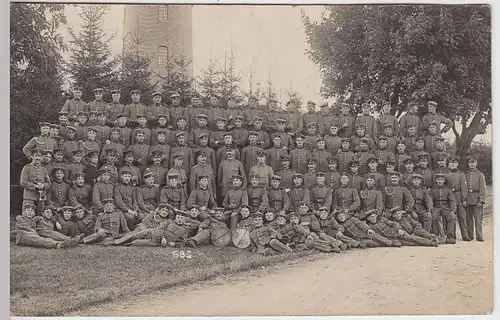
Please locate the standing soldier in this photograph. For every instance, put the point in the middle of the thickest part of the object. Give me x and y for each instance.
(201, 127)
(345, 155)
(326, 118)
(35, 181)
(157, 169)
(345, 199)
(298, 193)
(367, 121)
(309, 117)
(423, 201)
(181, 147)
(411, 119)
(141, 151)
(458, 184)
(321, 195)
(387, 118)
(262, 170)
(371, 198)
(126, 200)
(332, 176)
(135, 108)
(70, 144)
(445, 207)
(321, 155)
(275, 153)
(147, 195)
(257, 195)
(115, 108)
(208, 151)
(202, 168)
(279, 202)
(345, 121)
(249, 153)
(332, 139)
(103, 189)
(227, 169)
(75, 105)
(432, 116)
(475, 198)
(176, 110)
(102, 130)
(299, 155)
(285, 172)
(156, 109)
(98, 105)
(42, 142)
(395, 195)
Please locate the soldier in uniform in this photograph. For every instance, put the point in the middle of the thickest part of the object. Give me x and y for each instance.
(423, 201)
(332, 176)
(345, 121)
(440, 150)
(157, 169)
(240, 134)
(445, 208)
(42, 142)
(331, 227)
(286, 139)
(125, 132)
(332, 139)
(182, 148)
(103, 189)
(321, 195)
(109, 225)
(136, 108)
(201, 128)
(75, 105)
(161, 126)
(432, 116)
(356, 181)
(279, 202)
(157, 108)
(140, 150)
(311, 137)
(90, 145)
(345, 198)
(84, 221)
(345, 155)
(412, 226)
(321, 154)
(475, 198)
(386, 118)
(206, 227)
(202, 169)
(172, 193)
(227, 169)
(57, 195)
(175, 109)
(367, 120)
(418, 149)
(363, 156)
(299, 155)
(285, 172)
(410, 118)
(210, 153)
(430, 137)
(409, 169)
(126, 200)
(298, 193)
(276, 152)
(34, 179)
(98, 105)
(202, 196)
(401, 156)
(114, 108)
(154, 219)
(458, 184)
(310, 176)
(257, 195)
(249, 152)
(235, 197)
(360, 136)
(80, 193)
(265, 238)
(70, 144)
(396, 195)
(129, 158)
(57, 162)
(147, 195)
(371, 198)
(262, 170)
(309, 117)
(102, 130)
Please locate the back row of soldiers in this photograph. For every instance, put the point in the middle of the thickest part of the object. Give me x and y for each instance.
(211, 157)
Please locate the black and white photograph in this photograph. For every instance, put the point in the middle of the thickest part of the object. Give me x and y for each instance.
(175, 159)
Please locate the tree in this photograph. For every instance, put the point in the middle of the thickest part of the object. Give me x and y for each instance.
(230, 80)
(209, 82)
(177, 77)
(294, 97)
(91, 64)
(398, 53)
(135, 72)
(35, 77)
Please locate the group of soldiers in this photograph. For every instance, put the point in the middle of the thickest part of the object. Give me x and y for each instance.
(262, 178)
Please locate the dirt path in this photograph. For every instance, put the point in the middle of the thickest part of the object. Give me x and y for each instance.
(451, 279)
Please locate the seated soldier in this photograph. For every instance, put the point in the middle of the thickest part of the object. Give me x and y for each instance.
(445, 208)
(109, 225)
(320, 195)
(395, 195)
(257, 195)
(412, 226)
(66, 225)
(126, 200)
(310, 223)
(154, 219)
(206, 227)
(202, 196)
(345, 198)
(80, 193)
(48, 228)
(285, 172)
(423, 202)
(236, 196)
(298, 192)
(265, 238)
(147, 195)
(244, 219)
(85, 221)
(331, 227)
(371, 198)
(172, 193)
(392, 230)
(279, 201)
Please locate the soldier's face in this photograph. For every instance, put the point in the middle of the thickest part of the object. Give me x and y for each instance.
(432, 129)
(204, 182)
(54, 132)
(409, 166)
(397, 215)
(161, 138)
(142, 121)
(344, 110)
(388, 131)
(341, 217)
(370, 182)
(354, 169)
(179, 219)
(332, 166)
(311, 166)
(419, 144)
(98, 95)
(77, 94)
(423, 163)
(47, 214)
(440, 182)
(257, 124)
(281, 126)
(285, 164)
(157, 99)
(122, 121)
(300, 142)
(219, 215)
(93, 159)
(412, 131)
(311, 130)
(92, 116)
(344, 180)
(472, 164)
(386, 109)
(77, 158)
(105, 177)
(115, 97)
(321, 144)
(372, 165)
(228, 140)
(173, 182)
(360, 131)
(213, 101)
(258, 221)
(382, 144)
(202, 122)
(254, 181)
(79, 213)
(431, 108)
(58, 156)
(401, 148)
(238, 123)
(244, 212)
(82, 119)
(269, 216)
(181, 123)
(277, 141)
(345, 145)
(181, 139)
(91, 135)
(372, 218)
(416, 182)
(157, 160)
(162, 121)
(366, 110)
(204, 141)
(67, 215)
(334, 130)
(44, 130)
(303, 210)
(280, 220)
(178, 162)
(261, 159)
(220, 124)
(47, 157)
(311, 107)
(136, 97)
(140, 137)
(109, 207)
(195, 102)
(230, 155)
(202, 159)
(323, 214)
(59, 175)
(102, 118)
(394, 180)
(71, 133)
(163, 212)
(236, 182)
(439, 145)
(441, 163)
(63, 119)
(149, 181)
(320, 180)
(126, 178)
(194, 213)
(231, 104)
(115, 135)
(297, 181)
(80, 180)
(275, 184)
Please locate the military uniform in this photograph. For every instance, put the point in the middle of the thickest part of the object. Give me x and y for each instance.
(135, 171)
(80, 195)
(321, 157)
(126, 199)
(346, 124)
(27, 235)
(125, 135)
(333, 143)
(457, 181)
(299, 157)
(387, 119)
(169, 135)
(147, 198)
(31, 175)
(187, 154)
(200, 170)
(202, 198)
(108, 227)
(210, 153)
(88, 148)
(96, 106)
(410, 119)
(194, 135)
(73, 107)
(475, 199)
(345, 198)
(413, 227)
(113, 110)
(234, 198)
(332, 179)
(286, 177)
(310, 179)
(273, 156)
(321, 196)
(358, 230)
(57, 194)
(102, 133)
(41, 143)
(331, 227)
(135, 109)
(278, 200)
(249, 157)
(423, 206)
(298, 195)
(445, 207)
(227, 169)
(46, 228)
(371, 199)
(345, 157)
(147, 135)
(264, 172)
(154, 110)
(266, 236)
(257, 198)
(69, 146)
(389, 229)
(240, 137)
(397, 196)
(86, 224)
(102, 190)
(400, 160)
(439, 120)
(173, 196)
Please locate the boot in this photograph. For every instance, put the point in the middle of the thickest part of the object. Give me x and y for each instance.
(191, 243)
(396, 243)
(434, 242)
(451, 241)
(344, 247)
(70, 243)
(280, 247)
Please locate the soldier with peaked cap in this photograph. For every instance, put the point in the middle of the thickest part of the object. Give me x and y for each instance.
(360, 136)
(345, 155)
(202, 127)
(161, 126)
(345, 198)
(311, 136)
(114, 108)
(332, 139)
(114, 144)
(70, 143)
(98, 105)
(109, 225)
(298, 193)
(141, 127)
(279, 202)
(57, 162)
(396, 195)
(418, 148)
(476, 197)
(214, 112)
(103, 189)
(286, 139)
(457, 181)
(175, 108)
(125, 195)
(140, 150)
(431, 137)
(203, 195)
(311, 116)
(410, 118)
(158, 170)
(257, 195)
(210, 153)
(155, 109)
(76, 165)
(187, 153)
(202, 168)
(240, 134)
(370, 197)
(423, 201)
(75, 105)
(410, 139)
(262, 170)
(356, 180)
(178, 169)
(332, 176)
(285, 172)
(129, 164)
(262, 136)
(264, 237)
(80, 193)
(236, 196)
(228, 143)
(163, 147)
(125, 132)
(363, 156)
(321, 154)
(438, 152)
(274, 154)
(34, 179)
(249, 152)
(332, 228)
(299, 155)
(326, 118)
(409, 169)
(440, 165)
(135, 108)
(172, 193)
(225, 172)
(345, 121)
(310, 176)
(90, 144)
(401, 156)
(57, 194)
(321, 195)
(432, 116)
(42, 142)
(445, 208)
(367, 120)
(424, 170)
(148, 194)
(387, 118)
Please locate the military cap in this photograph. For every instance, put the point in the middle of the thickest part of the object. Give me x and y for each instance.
(76, 88)
(67, 208)
(219, 209)
(178, 134)
(46, 151)
(432, 103)
(257, 118)
(162, 205)
(360, 125)
(299, 136)
(164, 116)
(370, 176)
(78, 206)
(320, 139)
(148, 174)
(239, 118)
(172, 175)
(237, 176)
(115, 129)
(323, 208)
(231, 150)
(258, 215)
(200, 154)
(285, 158)
(115, 91)
(203, 135)
(311, 124)
(157, 153)
(44, 124)
(275, 135)
(140, 131)
(311, 102)
(439, 139)
(372, 159)
(77, 151)
(408, 160)
(109, 200)
(121, 115)
(81, 113)
(57, 150)
(311, 160)
(98, 90)
(391, 162)
(62, 169)
(432, 123)
(280, 120)
(178, 155)
(252, 133)
(92, 130)
(36, 150)
(203, 176)
(292, 214)
(104, 169)
(345, 105)
(159, 132)
(70, 128)
(334, 124)
(110, 152)
(332, 160)
(439, 175)
(387, 125)
(275, 177)
(202, 115)
(323, 104)
(101, 113)
(29, 205)
(472, 157)
(303, 204)
(413, 103)
(416, 175)
(129, 151)
(139, 116)
(79, 174)
(179, 118)
(344, 173)
(261, 153)
(125, 171)
(454, 159)
(54, 126)
(442, 156)
(135, 91)
(382, 138)
(297, 175)
(419, 139)
(62, 113)
(342, 140)
(423, 156)
(411, 126)
(175, 95)
(396, 173)
(400, 142)
(353, 163)
(243, 205)
(228, 134)
(253, 175)
(320, 175)
(157, 93)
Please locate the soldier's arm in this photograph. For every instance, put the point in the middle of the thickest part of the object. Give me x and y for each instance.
(307, 197)
(264, 200)
(191, 201)
(242, 173)
(24, 182)
(336, 227)
(211, 201)
(427, 199)
(448, 124)
(452, 200)
(73, 201)
(356, 202)
(328, 199)
(315, 224)
(482, 187)
(225, 202)
(120, 204)
(379, 205)
(286, 201)
(140, 200)
(28, 147)
(123, 224)
(98, 223)
(463, 187)
(193, 176)
(335, 201)
(410, 202)
(220, 173)
(182, 205)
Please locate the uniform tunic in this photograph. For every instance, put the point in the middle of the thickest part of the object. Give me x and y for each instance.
(147, 135)
(188, 161)
(409, 119)
(371, 199)
(346, 132)
(125, 136)
(439, 119)
(126, 197)
(58, 193)
(332, 179)
(264, 172)
(160, 174)
(72, 107)
(297, 195)
(299, 158)
(240, 136)
(226, 171)
(134, 109)
(249, 157)
(309, 117)
(369, 123)
(136, 173)
(387, 119)
(202, 170)
(257, 198)
(278, 199)
(169, 137)
(194, 135)
(286, 178)
(103, 133)
(346, 198)
(86, 224)
(333, 144)
(165, 150)
(113, 110)
(321, 157)
(154, 110)
(96, 106)
(211, 160)
(69, 146)
(273, 157)
(344, 158)
(147, 198)
(310, 179)
(235, 198)
(356, 141)
(101, 192)
(400, 159)
(321, 196)
(397, 196)
(30, 176)
(113, 222)
(40, 142)
(202, 198)
(357, 182)
(113, 145)
(80, 195)
(173, 196)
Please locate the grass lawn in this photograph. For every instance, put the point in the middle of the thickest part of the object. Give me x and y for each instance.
(55, 282)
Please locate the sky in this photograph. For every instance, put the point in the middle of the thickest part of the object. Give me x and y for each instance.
(269, 39)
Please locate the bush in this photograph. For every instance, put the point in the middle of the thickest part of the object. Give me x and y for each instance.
(485, 163)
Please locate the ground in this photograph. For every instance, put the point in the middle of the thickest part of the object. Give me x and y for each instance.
(451, 279)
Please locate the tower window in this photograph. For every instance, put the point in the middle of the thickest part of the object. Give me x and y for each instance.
(163, 12)
(162, 56)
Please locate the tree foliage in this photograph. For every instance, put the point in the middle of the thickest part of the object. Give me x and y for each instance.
(294, 97)
(208, 82)
(229, 80)
(91, 64)
(177, 77)
(397, 53)
(35, 77)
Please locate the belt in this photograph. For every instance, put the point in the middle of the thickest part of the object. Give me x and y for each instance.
(473, 191)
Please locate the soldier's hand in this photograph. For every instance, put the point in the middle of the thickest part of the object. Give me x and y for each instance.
(203, 208)
(40, 185)
(132, 212)
(171, 244)
(58, 226)
(77, 124)
(401, 233)
(108, 142)
(370, 231)
(464, 203)
(414, 215)
(338, 234)
(163, 242)
(234, 214)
